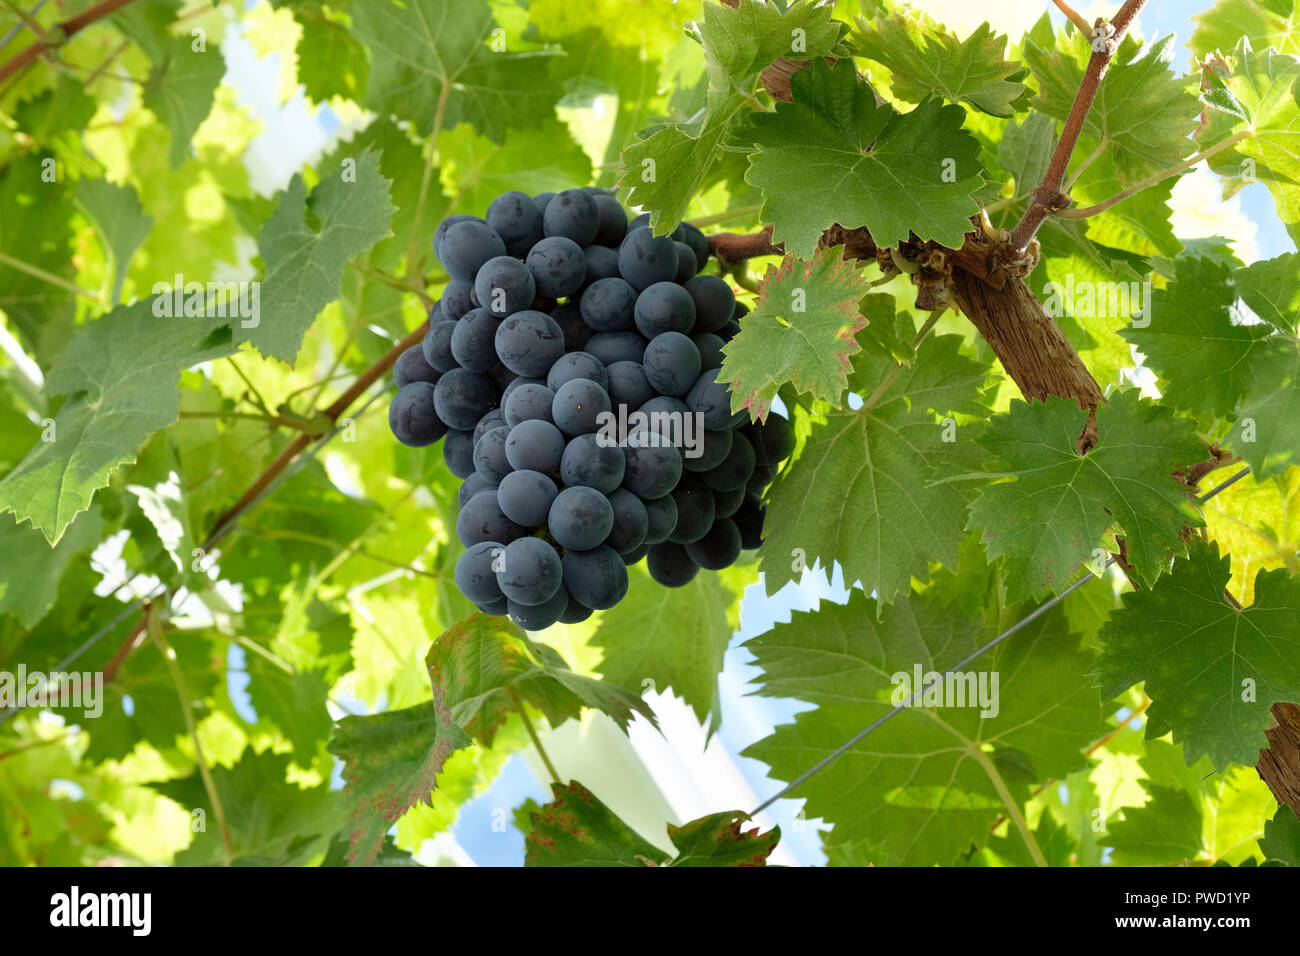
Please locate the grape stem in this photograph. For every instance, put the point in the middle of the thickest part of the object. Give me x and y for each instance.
(532, 732)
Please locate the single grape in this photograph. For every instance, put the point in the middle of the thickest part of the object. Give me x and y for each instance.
(712, 448)
(644, 258)
(574, 215)
(596, 578)
(558, 266)
(735, 470)
(541, 616)
(457, 299)
(608, 305)
(672, 363)
(535, 445)
(572, 365)
(458, 452)
(514, 217)
(498, 608)
(712, 399)
(628, 385)
(493, 418)
(436, 347)
(568, 317)
(636, 554)
(580, 518)
(587, 461)
(413, 416)
(695, 510)
(529, 342)
(698, 242)
(463, 396)
(651, 472)
(466, 246)
(490, 454)
(663, 307)
(543, 200)
(631, 522)
(411, 367)
(729, 331)
(505, 285)
(602, 263)
(483, 520)
(612, 220)
(441, 231)
(518, 382)
(710, 346)
(529, 572)
(475, 576)
(611, 347)
(714, 302)
(686, 265)
(526, 496)
(472, 486)
(472, 341)
(719, 548)
(761, 478)
(665, 420)
(578, 406)
(727, 503)
(661, 515)
(638, 221)
(749, 519)
(527, 402)
(670, 565)
(575, 613)
(773, 439)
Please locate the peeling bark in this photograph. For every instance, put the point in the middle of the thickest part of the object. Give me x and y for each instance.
(1279, 763)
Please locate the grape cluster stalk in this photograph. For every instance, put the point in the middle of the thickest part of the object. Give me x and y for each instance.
(570, 372)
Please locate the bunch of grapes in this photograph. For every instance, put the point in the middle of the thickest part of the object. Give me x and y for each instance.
(570, 370)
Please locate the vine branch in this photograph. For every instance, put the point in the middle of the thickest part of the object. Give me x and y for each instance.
(61, 33)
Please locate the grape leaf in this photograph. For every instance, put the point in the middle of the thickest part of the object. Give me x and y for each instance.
(1281, 839)
(180, 92)
(1060, 505)
(429, 60)
(304, 265)
(673, 637)
(35, 229)
(1211, 670)
(717, 840)
(146, 22)
(576, 829)
(923, 58)
(859, 491)
(66, 107)
(1271, 287)
(330, 60)
(920, 789)
(476, 170)
(294, 701)
(1219, 28)
(271, 821)
(391, 764)
(30, 568)
(121, 371)
(120, 222)
(1167, 830)
(834, 156)
(667, 168)
(1143, 113)
(1252, 373)
(800, 331)
(484, 664)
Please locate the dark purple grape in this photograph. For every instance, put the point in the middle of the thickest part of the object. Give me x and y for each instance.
(413, 417)
(411, 367)
(670, 565)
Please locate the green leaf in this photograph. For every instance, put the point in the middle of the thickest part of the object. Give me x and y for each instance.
(1271, 287)
(717, 840)
(391, 764)
(671, 637)
(36, 229)
(1281, 839)
(146, 22)
(834, 156)
(1211, 670)
(271, 821)
(801, 331)
(859, 493)
(1166, 831)
(121, 371)
(429, 59)
(66, 107)
(120, 222)
(923, 58)
(666, 169)
(1252, 373)
(294, 701)
(920, 789)
(330, 60)
(30, 569)
(304, 265)
(180, 92)
(1060, 505)
(576, 829)
(484, 663)
(476, 170)
(1143, 113)
(1221, 27)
